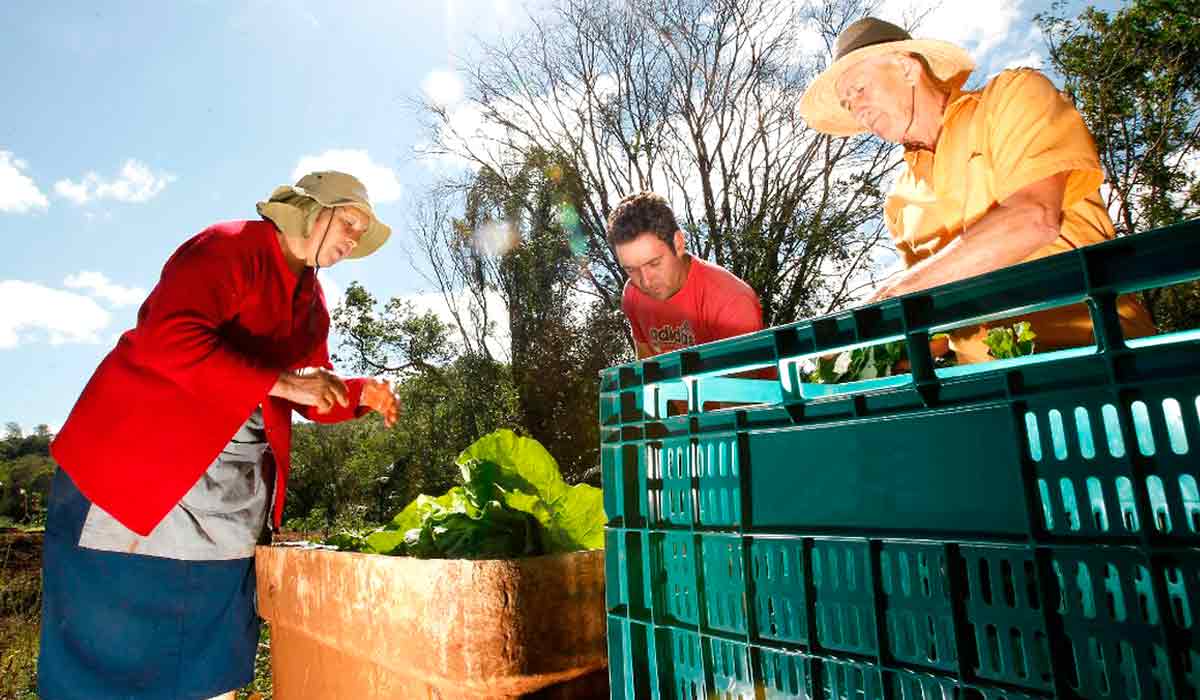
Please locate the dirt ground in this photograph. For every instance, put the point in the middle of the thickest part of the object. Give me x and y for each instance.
(20, 552)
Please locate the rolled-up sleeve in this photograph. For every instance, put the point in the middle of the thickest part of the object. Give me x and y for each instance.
(1032, 132)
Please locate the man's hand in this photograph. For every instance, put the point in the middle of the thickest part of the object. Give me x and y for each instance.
(378, 396)
(1025, 222)
(312, 386)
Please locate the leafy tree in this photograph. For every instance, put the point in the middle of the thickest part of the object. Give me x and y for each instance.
(25, 486)
(695, 99)
(450, 396)
(334, 467)
(1134, 76)
(560, 336)
(17, 444)
(508, 257)
(394, 340)
(26, 472)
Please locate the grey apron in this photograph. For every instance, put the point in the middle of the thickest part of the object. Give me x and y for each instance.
(222, 517)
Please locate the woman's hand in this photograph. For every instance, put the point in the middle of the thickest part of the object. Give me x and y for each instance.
(312, 386)
(378, 396)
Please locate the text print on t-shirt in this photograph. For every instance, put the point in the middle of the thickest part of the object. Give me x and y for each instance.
(680, 336)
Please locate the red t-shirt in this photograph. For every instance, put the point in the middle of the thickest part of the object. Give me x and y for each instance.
(712, 304)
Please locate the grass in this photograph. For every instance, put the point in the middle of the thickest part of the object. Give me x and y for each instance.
(18, 660)
(20, 608)
(260, 687)
(20, 611)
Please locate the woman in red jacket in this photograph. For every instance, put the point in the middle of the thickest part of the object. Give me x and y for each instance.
(177, 452)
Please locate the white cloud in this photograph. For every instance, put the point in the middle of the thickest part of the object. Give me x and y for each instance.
(30, 312)
(136, 183)
(442, 87)
(978, 26)
(1032, 60)
(333, 291)
(18, 193)
(1190, 164)
(78, 192)
(809, 40)
(98, 285)
(501, 338)
(380, 180)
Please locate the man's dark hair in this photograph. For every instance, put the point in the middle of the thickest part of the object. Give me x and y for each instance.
(644, 212)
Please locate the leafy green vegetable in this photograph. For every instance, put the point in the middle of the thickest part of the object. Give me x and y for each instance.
(518, 468)
(513, 502)
(394, 537)
(1006, 343)
(882, 360)
(861, 363)
(349, 540)
(493, 532)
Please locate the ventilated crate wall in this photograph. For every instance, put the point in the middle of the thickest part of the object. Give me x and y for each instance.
(1026, 530)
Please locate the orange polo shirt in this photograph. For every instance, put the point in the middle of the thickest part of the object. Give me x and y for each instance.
(1015, 131)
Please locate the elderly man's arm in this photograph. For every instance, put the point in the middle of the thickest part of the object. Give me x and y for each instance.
(1025, 222)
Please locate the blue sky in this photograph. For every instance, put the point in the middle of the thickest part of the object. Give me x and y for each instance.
(187, 113)
(128, 126)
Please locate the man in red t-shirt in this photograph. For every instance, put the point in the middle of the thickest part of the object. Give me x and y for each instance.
(672, 299)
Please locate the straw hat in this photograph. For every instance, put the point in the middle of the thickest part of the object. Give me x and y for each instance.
(867, 38)
(292, 207)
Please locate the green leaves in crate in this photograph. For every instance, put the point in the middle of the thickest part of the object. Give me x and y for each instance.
(858, 364)
(513, 503)
(1005, 343)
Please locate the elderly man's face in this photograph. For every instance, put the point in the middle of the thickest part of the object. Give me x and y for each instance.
(879, 93)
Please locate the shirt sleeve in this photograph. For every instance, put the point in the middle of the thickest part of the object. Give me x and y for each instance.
(629, 307)
(179, 327)
(338, 413)
(740, 313)
(893, 217)
(1032, 132)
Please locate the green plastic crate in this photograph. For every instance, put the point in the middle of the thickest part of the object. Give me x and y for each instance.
(1020, 529)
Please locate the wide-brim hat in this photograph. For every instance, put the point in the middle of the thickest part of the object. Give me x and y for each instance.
(328, 188)
(867, 38)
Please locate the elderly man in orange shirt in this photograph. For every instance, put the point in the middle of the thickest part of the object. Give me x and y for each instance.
(992, 177)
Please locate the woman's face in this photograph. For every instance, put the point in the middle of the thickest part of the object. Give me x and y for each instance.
(335, 233)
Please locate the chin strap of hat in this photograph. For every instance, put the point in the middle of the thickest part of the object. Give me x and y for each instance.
(317, 255)
(312, 307)
(912, 115)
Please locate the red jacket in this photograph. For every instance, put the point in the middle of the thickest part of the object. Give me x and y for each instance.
(227, 316)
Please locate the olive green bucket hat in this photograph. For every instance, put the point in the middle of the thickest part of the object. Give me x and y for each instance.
(820, 106)
(291, 207)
